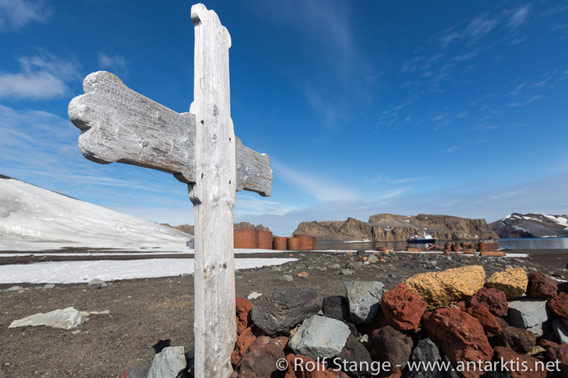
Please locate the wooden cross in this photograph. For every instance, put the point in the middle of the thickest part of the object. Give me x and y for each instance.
(200, 149)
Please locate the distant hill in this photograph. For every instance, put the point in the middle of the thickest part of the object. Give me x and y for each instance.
(33, 218)
(531, 225)
(391, 227)
(189, 229)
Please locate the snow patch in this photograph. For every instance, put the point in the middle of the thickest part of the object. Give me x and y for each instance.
(111, 270)
(32, 218)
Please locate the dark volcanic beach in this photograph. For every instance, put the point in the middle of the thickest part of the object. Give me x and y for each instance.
(146, 314)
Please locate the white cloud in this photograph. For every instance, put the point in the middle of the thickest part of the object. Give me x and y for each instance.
(518, 17)
(15, 14)
(116, 63)
(42, 76)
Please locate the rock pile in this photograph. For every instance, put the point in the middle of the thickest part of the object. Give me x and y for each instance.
(456, 318)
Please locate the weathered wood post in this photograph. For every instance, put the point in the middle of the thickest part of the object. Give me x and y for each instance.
(213, 197)
(200, 149)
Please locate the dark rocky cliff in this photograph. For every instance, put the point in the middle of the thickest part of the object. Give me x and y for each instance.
(392, 227)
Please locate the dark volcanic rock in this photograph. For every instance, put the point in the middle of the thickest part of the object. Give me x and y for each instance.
(260, 360)
(460, 336)
(279, 312)
(392, 345)
(354, 352)
(518, 339)
(494, 299)
(541, 286)
(402, 308)
(336, 307)
(427, 352)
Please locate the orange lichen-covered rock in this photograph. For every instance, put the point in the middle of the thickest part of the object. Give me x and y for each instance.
(402, 308)
(445, 288)
(513, 282)
(460, 336)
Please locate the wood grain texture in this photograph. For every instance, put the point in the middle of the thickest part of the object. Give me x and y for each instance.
(213, 197)
(120, 125)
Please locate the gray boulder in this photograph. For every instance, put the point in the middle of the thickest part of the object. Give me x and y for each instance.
(528, 314)
(168, 363)
(279, 312)
(427, 352)
(320, 337)
(96, 284)
(364, 298)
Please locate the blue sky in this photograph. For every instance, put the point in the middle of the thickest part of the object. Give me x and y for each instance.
(364, 107)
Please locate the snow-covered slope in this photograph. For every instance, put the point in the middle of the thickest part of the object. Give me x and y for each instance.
(32, 218)
(531, 226)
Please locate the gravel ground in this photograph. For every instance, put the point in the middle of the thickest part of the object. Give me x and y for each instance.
(148, 314)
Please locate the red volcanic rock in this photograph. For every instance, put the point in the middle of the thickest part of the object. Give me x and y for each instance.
(541, 286)
(559, 306)
(528, 367)
(244, 307)
(302, 367)
(261, 358)
(557, 352)
(402, 308)
(460, 336)
(486, 318)
(244, 341)
(494, 299)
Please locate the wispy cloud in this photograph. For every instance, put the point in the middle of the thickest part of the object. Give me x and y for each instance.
(404, 180)
(479, 27)
(115, 63)
(450, 149)
(323, 106)
(15, 14)
(319, 188)
(42, 76)
(248, 204)
(494, 201)
(519, 17)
